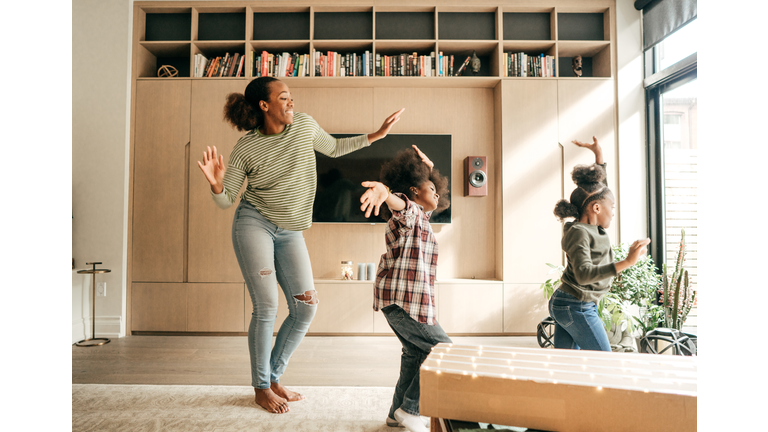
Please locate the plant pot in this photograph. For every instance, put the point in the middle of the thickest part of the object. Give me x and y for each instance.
(545, 333)
(667, 341)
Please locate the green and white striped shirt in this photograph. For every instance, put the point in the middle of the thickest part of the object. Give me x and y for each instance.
(281, 171)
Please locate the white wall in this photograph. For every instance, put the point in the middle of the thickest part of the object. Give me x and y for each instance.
(100, 79)
(633, 195)
(101, 33)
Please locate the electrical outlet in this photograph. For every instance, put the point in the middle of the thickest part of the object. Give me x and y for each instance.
(101, 289)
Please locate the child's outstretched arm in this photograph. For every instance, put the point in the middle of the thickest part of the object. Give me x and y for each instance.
(594, 147)
(376, 195)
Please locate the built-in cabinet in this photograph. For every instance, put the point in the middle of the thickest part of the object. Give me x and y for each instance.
(183, 274)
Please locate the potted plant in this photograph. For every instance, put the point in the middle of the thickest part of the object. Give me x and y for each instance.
(677, 299)
(636, 287)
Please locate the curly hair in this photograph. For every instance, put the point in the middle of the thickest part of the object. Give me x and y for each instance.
(407, 170)
(590, 180)
(242, 109)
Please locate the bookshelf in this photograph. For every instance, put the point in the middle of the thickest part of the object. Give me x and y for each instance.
(173, 34)
(180, 245)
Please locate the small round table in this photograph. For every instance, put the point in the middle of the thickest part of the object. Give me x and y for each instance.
(93, 340)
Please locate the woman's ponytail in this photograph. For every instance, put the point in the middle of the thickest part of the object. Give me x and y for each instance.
(242, 109)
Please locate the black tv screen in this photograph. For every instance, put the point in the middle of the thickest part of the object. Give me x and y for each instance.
(339, 188)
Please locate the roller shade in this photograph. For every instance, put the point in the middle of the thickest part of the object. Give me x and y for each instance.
(662, 17)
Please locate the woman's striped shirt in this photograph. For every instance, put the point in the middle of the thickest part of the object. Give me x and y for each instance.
(281, 171)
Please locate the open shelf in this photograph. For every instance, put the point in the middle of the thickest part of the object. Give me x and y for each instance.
(172, 35)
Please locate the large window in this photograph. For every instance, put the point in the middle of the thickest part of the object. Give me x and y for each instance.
(672, 96)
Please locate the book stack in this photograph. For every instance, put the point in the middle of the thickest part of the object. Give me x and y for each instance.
(229, 65)
(333, 64)
(524, 65)
(413, 64)
(280, 65)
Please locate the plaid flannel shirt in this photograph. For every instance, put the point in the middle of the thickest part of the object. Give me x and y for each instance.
(406, 274)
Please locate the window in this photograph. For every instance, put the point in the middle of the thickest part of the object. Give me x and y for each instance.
(672, 113)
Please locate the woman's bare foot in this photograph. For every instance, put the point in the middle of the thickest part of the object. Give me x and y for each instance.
(271, 402)
(283, 392)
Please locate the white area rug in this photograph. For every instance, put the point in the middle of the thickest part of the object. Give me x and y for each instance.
(98, 407)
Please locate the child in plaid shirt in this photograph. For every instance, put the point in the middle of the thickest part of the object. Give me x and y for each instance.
(405, 282)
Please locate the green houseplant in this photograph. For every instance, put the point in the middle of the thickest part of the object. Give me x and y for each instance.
(677, 296)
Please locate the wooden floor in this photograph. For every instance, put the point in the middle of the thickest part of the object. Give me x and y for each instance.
(223, 360)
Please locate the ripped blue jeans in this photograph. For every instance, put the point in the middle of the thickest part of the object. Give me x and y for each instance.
(272, 257)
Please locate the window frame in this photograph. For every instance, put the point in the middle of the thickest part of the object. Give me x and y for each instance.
(657, 83)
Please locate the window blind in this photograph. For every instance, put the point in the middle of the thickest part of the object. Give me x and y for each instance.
(662, 17)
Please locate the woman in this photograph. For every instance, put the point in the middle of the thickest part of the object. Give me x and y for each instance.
(277, 157)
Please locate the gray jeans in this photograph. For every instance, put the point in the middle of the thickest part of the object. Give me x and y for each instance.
(418, 340)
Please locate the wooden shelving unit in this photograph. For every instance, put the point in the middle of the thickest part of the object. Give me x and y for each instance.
(172, 35)
(183, 275)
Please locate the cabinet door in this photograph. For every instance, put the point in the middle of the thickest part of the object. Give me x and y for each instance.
(211, 256)
(159, 307)
(586, 109)
(470, 308)
(159, 189)
(215, 307)
(344, 307)
(532, 179)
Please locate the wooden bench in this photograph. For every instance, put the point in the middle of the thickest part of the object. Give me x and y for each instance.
(559, 390)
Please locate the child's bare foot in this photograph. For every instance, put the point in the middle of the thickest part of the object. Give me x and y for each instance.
(283, 392)
(271, 402)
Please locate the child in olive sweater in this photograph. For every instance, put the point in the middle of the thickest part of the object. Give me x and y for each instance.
(590, 267)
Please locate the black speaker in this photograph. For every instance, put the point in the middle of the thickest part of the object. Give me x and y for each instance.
(475, 176)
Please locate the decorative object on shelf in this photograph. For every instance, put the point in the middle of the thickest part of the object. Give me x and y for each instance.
(545, 333)
(167, 71)
(93, 340)
(371, 271)
(677, 296)
(361, 271)
(576, 64)
(667, 341)
(346, 270)
(475, 63)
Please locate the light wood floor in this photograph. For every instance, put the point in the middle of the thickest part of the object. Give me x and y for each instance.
(223, 360)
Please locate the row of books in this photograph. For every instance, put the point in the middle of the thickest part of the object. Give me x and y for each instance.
(432, 65)
(524, 65)
(280, 65)
(333, 64)
(229, 65)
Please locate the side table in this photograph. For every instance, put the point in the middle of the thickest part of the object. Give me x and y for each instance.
(93, 340)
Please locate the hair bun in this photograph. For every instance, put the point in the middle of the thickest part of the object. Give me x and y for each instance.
(564, 209)
(584, 175)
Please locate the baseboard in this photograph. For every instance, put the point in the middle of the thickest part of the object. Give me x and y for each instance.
(106, 327)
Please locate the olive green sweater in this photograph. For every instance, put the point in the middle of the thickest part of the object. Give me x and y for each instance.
(590, 269)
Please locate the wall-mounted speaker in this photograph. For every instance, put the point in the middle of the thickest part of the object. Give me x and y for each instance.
(475, 176)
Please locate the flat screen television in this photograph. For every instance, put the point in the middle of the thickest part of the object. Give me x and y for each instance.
(339, 188)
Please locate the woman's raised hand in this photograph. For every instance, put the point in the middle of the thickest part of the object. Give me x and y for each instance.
(373, 198)
(424, 157)
(385, 128)
(214, 169)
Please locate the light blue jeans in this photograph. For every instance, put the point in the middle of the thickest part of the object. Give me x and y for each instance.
(577, 325)
(269, 256)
